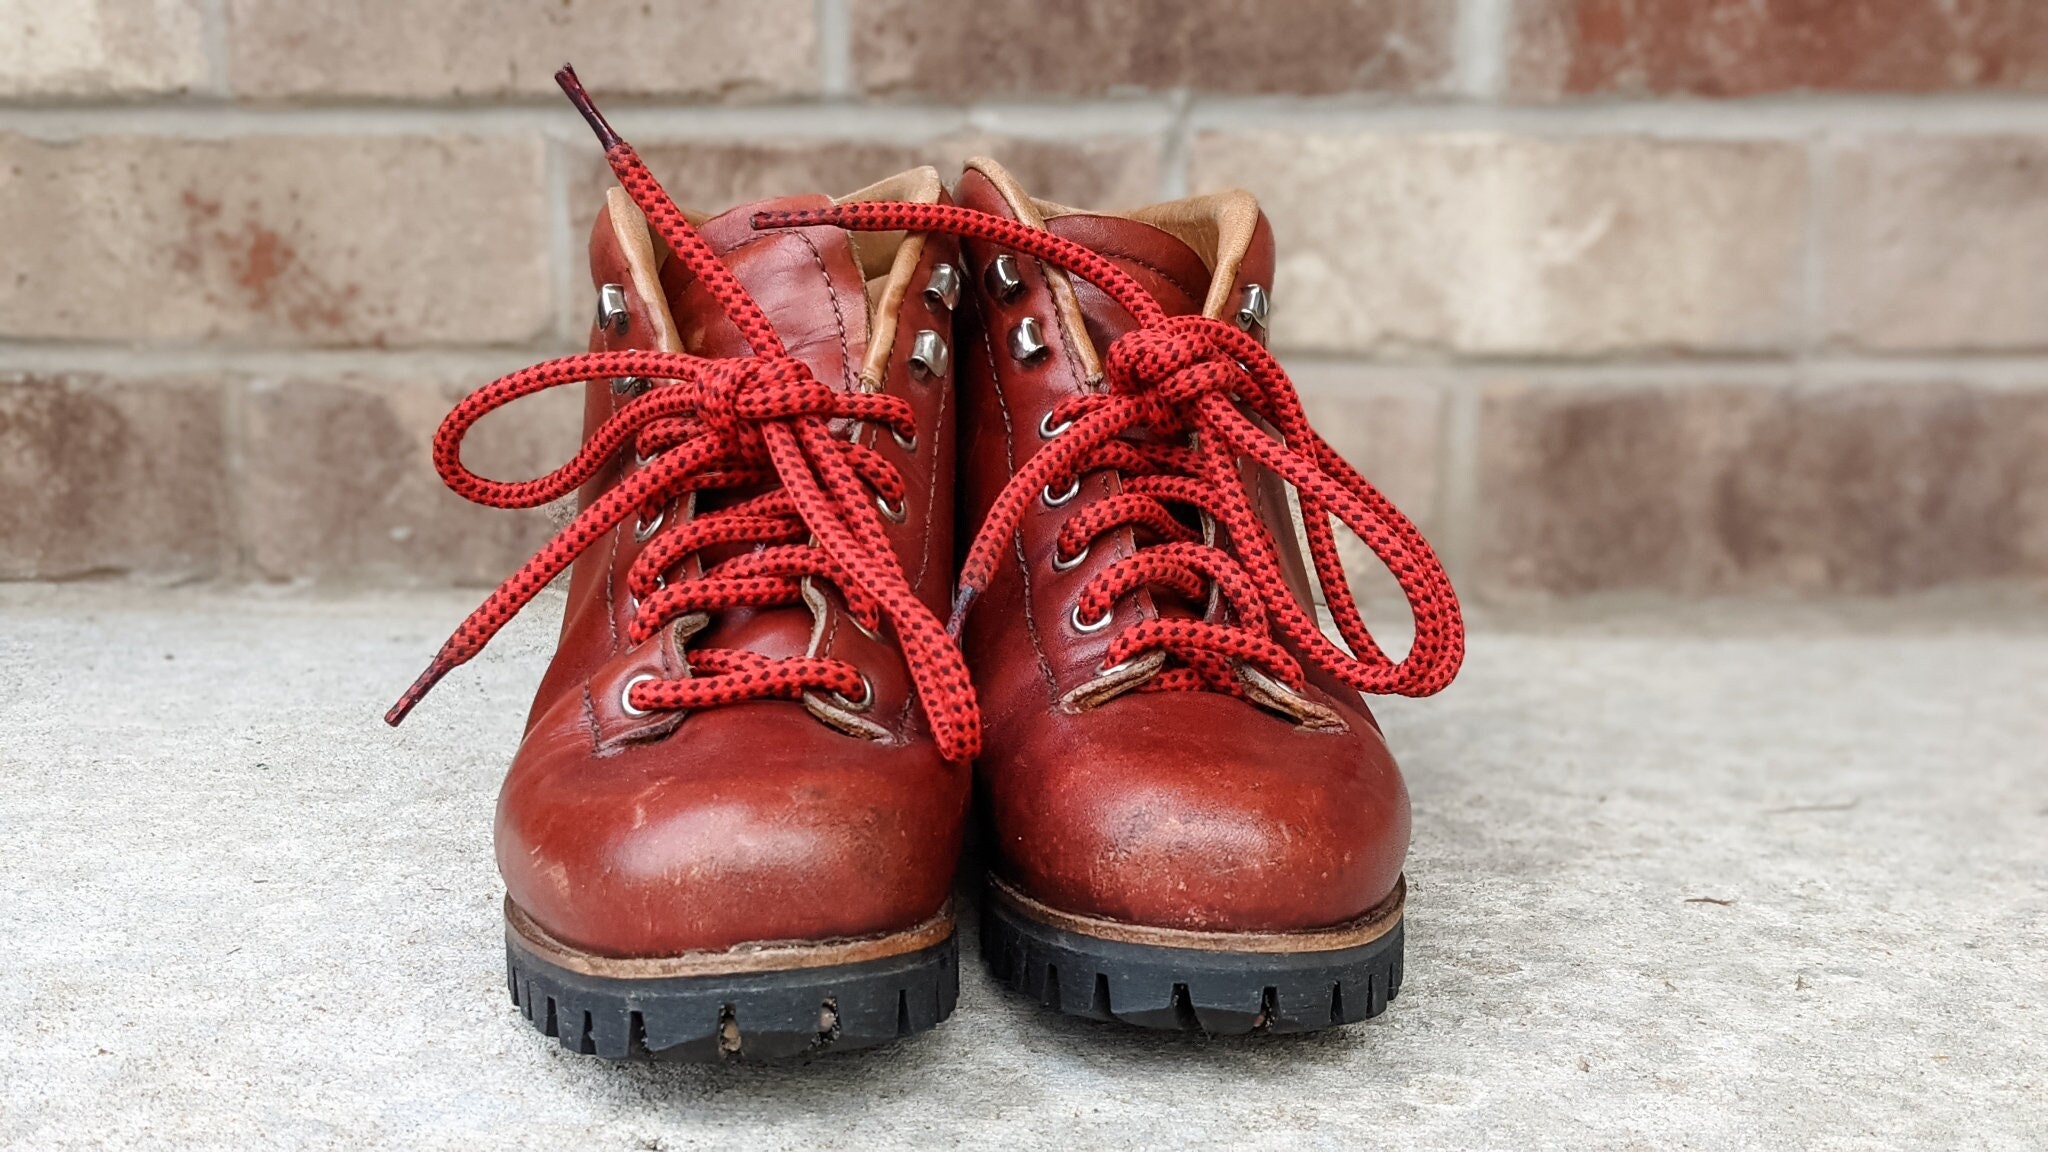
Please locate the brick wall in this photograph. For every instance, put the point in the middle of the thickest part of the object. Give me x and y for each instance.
(1698, 297)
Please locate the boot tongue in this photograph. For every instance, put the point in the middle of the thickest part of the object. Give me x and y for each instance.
(808, 281)
(1161, 264)
(1159, 261)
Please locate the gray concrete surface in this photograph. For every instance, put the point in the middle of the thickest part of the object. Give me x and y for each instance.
(1758, 879)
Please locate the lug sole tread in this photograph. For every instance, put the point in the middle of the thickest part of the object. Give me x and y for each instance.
(749, 1016)
(1185, 989)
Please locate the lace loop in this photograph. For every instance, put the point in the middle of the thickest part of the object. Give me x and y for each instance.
(702, 425)
(1168, 367)
(1197, 381)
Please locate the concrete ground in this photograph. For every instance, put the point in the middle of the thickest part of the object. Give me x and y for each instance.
(1751, 878)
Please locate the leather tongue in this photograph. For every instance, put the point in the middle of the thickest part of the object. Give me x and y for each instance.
(810, 284)
(1165, 267)
(807, 280)
(1162, 264)
(1199, 261)
(1159, 261)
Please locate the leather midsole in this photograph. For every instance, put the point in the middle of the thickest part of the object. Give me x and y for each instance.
(1364, 930)
(767, 956)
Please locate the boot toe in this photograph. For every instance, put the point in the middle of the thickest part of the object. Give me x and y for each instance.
(749, 823)
(1199, 812)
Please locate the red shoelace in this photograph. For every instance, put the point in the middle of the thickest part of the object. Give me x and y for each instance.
(760, 422)
(1174, 420)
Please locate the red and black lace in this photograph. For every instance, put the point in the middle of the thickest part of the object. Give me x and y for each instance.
(760, 423)
(1176, 415)
(1174, 418)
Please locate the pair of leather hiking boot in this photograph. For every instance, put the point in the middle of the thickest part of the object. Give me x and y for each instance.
(915, 495)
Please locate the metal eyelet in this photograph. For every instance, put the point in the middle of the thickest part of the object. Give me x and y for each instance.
(1069, 564)
(893, 514)
(612, 314)
(867, 697)
(1074, 618)
(626, 694)
(929, 356)
(643, 530)
(1027, 340)
(907, 443)
(1003, 280)
(1047, 429)
(1054, 500)
(942, 290)
(1257, 308)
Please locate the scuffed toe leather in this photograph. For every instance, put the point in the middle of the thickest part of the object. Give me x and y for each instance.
(768, 827)
(1153, 809)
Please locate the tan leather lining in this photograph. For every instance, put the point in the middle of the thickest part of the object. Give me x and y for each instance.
(1364, 930)
(1110, 684)
(660, 246)
(821, 704)
(894, 255)
(774, 956)
(1265, 690)
(877, 251)
(629, 226)
(1219, 227)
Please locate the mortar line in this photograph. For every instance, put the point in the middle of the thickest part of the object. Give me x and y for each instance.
(561, 240)
(1458, 481)
(835, 49)
(1176, 153)
(1062, 121)
(1329, 375)
(681, 122)
(1819, 189)
(1773, 117)
(240, 561)
(193, 360)
(1313, 372)
(213, 41)
(1762, 117)
(1480, 40)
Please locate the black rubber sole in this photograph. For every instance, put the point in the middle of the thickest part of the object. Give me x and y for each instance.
(1189, 989)
(751, 1016)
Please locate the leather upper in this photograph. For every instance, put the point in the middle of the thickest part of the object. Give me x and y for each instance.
(1192, 810)
(656, 834)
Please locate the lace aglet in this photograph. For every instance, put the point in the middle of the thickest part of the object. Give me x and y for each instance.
(963, 600)
(566, 77)
(417, 692)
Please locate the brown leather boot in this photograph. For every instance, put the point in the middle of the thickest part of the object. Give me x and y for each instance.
(733, 822)
(1196, 822)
